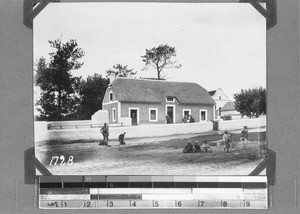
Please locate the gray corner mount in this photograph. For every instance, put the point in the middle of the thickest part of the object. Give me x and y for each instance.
(31, 9)
(270, 13)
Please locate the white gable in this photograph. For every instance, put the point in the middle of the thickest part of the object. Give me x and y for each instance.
(220, 95)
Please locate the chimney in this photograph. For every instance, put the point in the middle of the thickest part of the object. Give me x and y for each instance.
(112, 76)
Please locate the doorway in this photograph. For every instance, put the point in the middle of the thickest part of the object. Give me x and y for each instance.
(170, 113)
(133, 116)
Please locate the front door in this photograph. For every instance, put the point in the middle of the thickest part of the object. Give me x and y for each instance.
(133, 115)
(170, 113)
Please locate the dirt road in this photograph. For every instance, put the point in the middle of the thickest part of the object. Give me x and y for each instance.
(147, 157)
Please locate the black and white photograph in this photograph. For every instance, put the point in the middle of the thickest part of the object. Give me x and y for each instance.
(150, 88)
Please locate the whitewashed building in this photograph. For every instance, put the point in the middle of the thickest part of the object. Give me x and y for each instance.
(221, 99)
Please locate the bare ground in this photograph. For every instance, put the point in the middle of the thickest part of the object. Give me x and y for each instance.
(153, 157)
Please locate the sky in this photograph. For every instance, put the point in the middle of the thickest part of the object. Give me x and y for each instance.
(220, 45)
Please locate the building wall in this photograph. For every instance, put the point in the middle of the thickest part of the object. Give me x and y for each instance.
(220, 95)
(106, 96)
(195, 112)
(230, 112)
(110, 106)
(221, 99)
(238, 124)
(143, 109)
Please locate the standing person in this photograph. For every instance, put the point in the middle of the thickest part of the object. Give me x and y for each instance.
(226, 139)
(105, 132)
(192, 120)
(244, 137)
(168, 119)
(184, 119)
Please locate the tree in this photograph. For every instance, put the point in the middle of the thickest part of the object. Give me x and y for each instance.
(92, 92)
(251, 102)
(121, 71)
(59, 89)
(160, 58)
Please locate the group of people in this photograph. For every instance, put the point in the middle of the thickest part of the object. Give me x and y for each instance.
(189, 148)
(228, 140)
(105, 133)
(188, 119)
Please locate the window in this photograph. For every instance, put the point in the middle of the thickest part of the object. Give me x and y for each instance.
(153, 115)
(203, 115)
(185, 115)
(114, 114)
(170, 99)
(111, 96)
(186, 112)
(220, 97)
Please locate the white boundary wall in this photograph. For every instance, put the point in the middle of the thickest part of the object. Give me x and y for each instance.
(94, 134)
(238, 124)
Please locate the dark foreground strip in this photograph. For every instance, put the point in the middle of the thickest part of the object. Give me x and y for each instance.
(248, 185)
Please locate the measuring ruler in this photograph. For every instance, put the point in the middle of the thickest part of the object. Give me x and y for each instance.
(152, 192)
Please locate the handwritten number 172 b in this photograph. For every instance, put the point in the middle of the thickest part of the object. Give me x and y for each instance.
(61, 160)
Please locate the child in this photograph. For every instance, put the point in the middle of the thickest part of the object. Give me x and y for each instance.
(197, 148)
(206, 147)
(121, 138)
(226, 139)
(244, 137)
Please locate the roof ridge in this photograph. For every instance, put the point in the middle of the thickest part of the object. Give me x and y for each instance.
(141, 90)
(126, 78)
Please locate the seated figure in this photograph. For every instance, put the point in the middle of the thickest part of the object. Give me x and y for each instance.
(188, 148)
(206, 147)
(197, 147)
(121, 138)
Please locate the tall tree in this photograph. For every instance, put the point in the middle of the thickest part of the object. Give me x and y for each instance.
(121, 71)
(59, 89)
(92, 93)
(251, 102)
(160, 58)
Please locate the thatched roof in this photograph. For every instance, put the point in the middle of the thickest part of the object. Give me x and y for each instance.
(156, 91)
(229, 106)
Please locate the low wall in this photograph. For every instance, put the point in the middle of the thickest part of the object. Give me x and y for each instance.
(93, 134)
(101, 116)
(70, 122)
(131, 132)
(238, 124)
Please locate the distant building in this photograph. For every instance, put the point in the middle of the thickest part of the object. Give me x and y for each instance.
(221, 99)
(149, 101)
(229, 109)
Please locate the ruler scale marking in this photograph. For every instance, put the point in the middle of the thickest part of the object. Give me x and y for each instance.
(109, 192)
